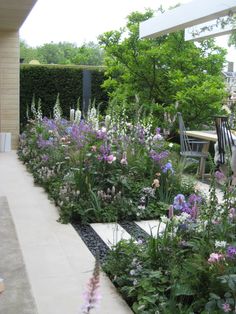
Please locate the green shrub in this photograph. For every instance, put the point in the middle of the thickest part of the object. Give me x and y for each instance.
(46, 81)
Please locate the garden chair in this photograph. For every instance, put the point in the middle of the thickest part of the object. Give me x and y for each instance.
(192, 148)
(225, 140)
(225, 149)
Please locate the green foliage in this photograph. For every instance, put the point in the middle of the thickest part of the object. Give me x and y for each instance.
(163, 72)
(63, 53)
(189, 267)
(45, 82)
(90, 54)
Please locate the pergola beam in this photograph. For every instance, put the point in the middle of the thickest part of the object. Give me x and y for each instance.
(207, 30)
(187, 15)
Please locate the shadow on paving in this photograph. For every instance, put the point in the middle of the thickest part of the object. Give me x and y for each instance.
(17, 297)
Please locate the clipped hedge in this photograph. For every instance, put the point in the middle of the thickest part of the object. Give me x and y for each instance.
(46, 81)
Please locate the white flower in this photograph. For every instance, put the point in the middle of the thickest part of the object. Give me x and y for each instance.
(165, 219)
(171, 145)
(220, 244)
(157, 137)
(135, 282)
(141, 207)
(132, 272)
(78, 115)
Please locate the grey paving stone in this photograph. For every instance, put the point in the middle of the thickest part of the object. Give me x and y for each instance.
(17, 297)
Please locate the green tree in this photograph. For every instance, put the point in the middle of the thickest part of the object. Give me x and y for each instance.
(28, 53)
(89, 54)
(63, 53)
(163, 71)
(53, 53)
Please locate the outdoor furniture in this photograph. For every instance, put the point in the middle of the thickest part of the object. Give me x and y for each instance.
(191, 148)
(225, 140)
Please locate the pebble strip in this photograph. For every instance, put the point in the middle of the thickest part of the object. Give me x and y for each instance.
(94, 243)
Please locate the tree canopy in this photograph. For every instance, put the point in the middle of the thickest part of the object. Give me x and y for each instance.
(63, 53)
(163, 72)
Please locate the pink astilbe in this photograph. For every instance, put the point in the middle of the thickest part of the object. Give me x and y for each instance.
(91, 295)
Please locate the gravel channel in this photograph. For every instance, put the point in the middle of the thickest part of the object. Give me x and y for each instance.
(97, 246)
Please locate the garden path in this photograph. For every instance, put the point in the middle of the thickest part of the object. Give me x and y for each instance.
(57, 261)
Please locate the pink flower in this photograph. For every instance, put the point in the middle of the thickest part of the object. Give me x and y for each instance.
(215, 257)
(110, 159)
(91, 295)
(171, 211)
(226, 307)
(232, 213)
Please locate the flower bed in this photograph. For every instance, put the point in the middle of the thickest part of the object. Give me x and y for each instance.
(188, 268)
(101, 171)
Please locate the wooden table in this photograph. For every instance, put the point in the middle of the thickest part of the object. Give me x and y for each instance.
(208, 136)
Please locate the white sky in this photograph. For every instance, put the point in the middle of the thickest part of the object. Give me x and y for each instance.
(80, 21)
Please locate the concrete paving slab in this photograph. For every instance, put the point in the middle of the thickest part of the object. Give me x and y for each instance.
(17, 297)
(152, 227)
(57, 261)
(110, 233)
(204, 189)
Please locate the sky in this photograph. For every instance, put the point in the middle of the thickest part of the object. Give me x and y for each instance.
(80, 21)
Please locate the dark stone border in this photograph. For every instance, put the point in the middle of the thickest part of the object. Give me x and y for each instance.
(97, 246)
(94, 243)
(134, 230)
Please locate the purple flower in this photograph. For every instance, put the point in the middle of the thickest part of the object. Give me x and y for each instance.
(231, 252)
(45, 157)
(69, 130)
(102, 134)
(179, 202)
(219, 175)
(49, 124)
(193, 198)
(44, 143)
(157, 136)
(141, 134)
(226, 307)
(157, 157)
(167, 167)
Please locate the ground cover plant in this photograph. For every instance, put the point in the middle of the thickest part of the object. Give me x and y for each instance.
(190, 267)
(101, 170)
